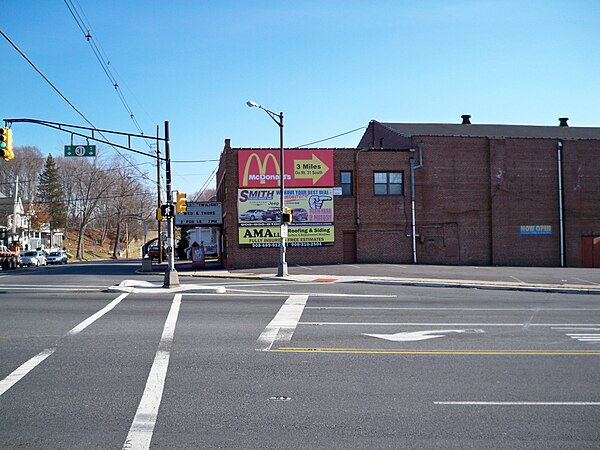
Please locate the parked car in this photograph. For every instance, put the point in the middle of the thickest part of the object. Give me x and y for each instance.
(57, 257)
(253, 214)
(299, 214)
(271, 214)
(153, 252)
(33, 258)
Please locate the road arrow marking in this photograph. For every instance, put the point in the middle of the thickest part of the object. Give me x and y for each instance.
(410, 336)
(312, 169)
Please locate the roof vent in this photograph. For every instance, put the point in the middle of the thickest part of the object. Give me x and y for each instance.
(466, 119)
(562, 121)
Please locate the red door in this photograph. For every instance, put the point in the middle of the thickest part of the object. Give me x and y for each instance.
(590, 251)
(349, 247)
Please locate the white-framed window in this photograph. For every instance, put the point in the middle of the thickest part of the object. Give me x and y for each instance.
(388, 183)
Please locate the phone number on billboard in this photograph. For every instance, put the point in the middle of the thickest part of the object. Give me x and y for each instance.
(289, 244)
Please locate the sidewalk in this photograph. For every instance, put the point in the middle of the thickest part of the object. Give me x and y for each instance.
(532, 279)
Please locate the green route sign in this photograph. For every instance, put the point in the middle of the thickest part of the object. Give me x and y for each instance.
(80, 150)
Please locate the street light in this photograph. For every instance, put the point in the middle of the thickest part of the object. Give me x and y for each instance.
(282, 268)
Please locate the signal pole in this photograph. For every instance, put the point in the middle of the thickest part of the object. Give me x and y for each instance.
(160, 245)
(171, 276)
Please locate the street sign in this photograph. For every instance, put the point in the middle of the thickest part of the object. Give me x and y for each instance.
(80, 150)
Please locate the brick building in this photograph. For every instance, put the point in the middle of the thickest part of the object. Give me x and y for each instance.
(483, 195)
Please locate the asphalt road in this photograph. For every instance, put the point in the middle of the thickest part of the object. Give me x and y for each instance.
(273, 364)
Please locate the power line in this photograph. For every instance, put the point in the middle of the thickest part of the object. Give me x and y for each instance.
(332, 137)
(195, 161)
(99, 53)
(46, 78)
(69, 102)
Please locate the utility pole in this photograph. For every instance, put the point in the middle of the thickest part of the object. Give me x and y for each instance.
(160, 246)
(15, 204)
(171, 276)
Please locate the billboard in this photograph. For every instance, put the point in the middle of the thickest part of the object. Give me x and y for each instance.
(303, 168)
(308, 205)
(259, 217)
(298, 236)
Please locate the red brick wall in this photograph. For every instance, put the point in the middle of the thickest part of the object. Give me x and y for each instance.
(472, 195)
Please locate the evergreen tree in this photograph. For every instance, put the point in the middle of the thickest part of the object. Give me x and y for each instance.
(51, 198)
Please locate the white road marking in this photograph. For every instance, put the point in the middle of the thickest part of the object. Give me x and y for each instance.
(585, 337)
(519, 403)
(37, 287)
(142, 428)
(87, 322)
(575, 328)
(409, 308)
(587, 281)
(434, 324)
(516, 279)
(411, 336)
(28, 366)
(283, 325)
(582, 337)
(310, 294)
(24, 369)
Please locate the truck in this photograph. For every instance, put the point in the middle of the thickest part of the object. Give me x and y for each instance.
(8, 259)
(206, 236)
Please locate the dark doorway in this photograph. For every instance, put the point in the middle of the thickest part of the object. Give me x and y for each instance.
(590, 251)
(349, 247)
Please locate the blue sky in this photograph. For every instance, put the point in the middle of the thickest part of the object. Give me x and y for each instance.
(331, 66)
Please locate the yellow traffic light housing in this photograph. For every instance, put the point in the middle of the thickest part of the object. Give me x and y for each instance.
(6, 148)
(159, 215)
(181, 204)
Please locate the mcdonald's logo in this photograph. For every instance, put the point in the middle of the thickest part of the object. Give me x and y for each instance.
(259, 176)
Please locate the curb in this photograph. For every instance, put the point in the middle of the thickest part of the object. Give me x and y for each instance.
(462, 284)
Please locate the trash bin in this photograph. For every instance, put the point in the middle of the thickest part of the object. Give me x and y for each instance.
(146, 264)
(198, 258)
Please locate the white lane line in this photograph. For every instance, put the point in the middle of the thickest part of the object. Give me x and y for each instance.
(28, 366)
(283, 325)
(587, 281)
(310, 294)
(87, 322)
(24, 369)
(53, 288)
(435, 324)
(417, 308)
(142, 427)
(516, 279)
(519, 403)
(574, 328)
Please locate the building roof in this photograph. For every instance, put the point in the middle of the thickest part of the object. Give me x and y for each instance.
(498, 131)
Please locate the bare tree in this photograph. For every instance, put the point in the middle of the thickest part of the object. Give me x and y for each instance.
(90, 187)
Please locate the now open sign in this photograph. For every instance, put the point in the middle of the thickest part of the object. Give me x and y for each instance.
(535, 229)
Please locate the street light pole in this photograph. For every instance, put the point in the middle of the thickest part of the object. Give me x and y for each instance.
(282, 268)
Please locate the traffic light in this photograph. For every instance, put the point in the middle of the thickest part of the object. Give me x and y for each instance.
(181, 205)
(287, 216)
(6, 148)
(159, 215)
